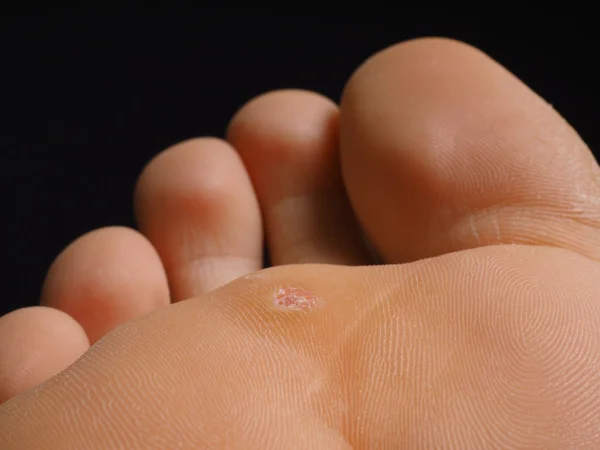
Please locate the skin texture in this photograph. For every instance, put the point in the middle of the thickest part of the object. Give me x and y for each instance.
(481, 331)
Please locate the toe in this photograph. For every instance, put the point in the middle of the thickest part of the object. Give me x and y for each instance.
(289, 143)
(105, 278)
(35, 344)
(196, 204)
(443, 150)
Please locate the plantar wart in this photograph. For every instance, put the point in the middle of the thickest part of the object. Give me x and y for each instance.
(295, 298)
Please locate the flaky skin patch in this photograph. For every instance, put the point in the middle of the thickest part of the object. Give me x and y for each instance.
(296, 299)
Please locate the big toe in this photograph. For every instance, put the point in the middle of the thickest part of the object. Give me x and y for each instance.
(443, 149)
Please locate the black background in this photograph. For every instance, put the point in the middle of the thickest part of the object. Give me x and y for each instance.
(88, 100)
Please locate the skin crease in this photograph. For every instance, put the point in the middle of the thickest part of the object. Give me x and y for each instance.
(482, 332)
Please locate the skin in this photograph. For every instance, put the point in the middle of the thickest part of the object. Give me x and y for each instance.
(482, 329)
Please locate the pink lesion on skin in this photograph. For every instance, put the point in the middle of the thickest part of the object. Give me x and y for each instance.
(297, 299)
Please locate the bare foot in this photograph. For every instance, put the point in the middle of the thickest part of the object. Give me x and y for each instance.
(482, 331)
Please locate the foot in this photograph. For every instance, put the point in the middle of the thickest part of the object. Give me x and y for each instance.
(482, 331)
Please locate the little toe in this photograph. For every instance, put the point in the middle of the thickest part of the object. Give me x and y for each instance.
(35, 344)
